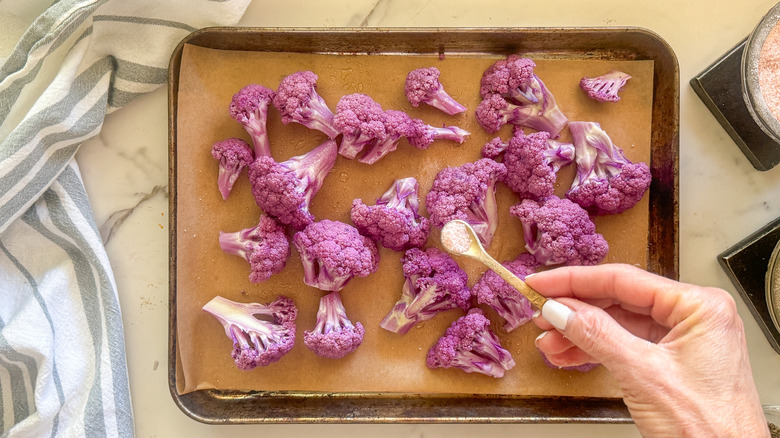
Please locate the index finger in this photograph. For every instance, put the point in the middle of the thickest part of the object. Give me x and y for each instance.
(667, 301)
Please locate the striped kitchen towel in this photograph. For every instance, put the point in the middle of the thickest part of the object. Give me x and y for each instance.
(62, 358)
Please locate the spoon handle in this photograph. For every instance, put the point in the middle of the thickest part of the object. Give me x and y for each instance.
(533, 296)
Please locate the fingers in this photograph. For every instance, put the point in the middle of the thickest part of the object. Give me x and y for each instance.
(638, 325)
(598, 337)
(641, 326)
(552, 342)
(560, 351)
(667, 301)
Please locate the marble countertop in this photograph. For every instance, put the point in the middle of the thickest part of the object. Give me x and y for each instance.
(723, 198)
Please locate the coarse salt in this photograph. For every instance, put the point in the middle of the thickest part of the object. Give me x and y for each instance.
(769, 71)
(455, 237)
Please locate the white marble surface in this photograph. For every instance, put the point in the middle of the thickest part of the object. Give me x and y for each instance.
(722, 197)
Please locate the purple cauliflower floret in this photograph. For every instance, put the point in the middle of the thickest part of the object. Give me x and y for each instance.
(422, 135)
(433, 283)
(470, 345)
(334, 335)
(423, 86)
(524, 99)
(361, 120)
(264, 246)
(233, 155)
(394, 221)
(606, 182)
(333, 253)
(605, 88)
(584, 368)
(261, 333)
(249, 107)
(532, 162)
(509, 77)
(511, 305)
(495, 147)
(397, 125)
(558, 231)
(285, 190)
(467, 192)
(298, 101)
(370, 133)
(493, 112)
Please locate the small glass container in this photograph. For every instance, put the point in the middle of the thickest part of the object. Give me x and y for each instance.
(772, 414)
(751, 89)
(772, 286)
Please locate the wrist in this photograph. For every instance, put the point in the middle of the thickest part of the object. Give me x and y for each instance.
(677, 410)
(740, 417)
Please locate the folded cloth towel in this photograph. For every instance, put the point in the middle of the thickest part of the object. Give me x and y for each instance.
(63, 370)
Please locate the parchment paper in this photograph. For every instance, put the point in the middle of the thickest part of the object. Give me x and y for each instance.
(386, 362)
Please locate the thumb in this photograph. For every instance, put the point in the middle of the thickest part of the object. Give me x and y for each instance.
(595, 332)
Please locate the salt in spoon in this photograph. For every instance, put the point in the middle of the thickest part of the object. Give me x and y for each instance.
(459, 238)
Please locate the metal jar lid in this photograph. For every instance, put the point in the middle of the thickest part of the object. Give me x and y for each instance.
(751, 90)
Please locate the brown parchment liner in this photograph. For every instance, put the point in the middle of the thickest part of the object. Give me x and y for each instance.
(385, 362)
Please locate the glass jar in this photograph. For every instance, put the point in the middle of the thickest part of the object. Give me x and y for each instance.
(772, 414)
(752, 63)
(772, 286)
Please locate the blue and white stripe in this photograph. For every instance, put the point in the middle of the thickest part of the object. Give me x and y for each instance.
(62, 357)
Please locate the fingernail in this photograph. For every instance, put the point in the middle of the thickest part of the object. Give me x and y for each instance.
(539, 338)
(556, 314)
(537, 313)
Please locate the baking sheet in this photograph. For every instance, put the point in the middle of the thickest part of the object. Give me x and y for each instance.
(207, 80)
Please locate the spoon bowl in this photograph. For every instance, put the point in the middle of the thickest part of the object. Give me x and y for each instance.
(460, 239)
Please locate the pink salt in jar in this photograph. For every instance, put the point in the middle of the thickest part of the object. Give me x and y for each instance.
(761, 74)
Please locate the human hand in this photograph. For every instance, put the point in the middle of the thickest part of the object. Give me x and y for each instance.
(676, 350)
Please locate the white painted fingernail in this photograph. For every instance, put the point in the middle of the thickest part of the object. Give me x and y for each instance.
(556, 314)
(537, 313)
(539, 338)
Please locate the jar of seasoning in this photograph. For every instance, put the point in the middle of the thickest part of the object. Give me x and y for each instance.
(772, 287)
(761, 74)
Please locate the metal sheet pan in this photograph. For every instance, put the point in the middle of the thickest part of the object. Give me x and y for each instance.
(223, 407)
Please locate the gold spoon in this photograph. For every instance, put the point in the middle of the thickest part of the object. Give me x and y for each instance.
(459, 238)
